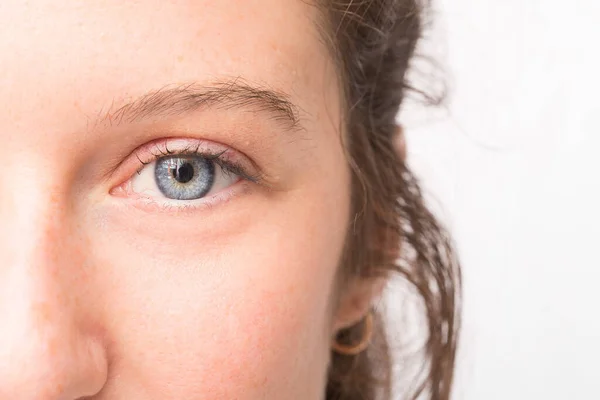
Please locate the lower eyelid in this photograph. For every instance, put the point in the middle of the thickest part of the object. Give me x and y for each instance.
(178, 206)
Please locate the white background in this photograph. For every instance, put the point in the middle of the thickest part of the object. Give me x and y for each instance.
(513, 165)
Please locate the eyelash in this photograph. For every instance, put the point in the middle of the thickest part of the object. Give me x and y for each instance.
(228, 166)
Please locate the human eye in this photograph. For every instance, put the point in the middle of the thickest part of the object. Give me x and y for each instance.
(181, 173)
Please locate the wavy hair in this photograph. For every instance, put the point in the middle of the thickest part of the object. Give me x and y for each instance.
(392, 231)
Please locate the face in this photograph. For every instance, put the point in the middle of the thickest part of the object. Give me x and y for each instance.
(174, 200)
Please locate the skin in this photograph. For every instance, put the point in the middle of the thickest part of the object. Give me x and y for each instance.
(106, 296)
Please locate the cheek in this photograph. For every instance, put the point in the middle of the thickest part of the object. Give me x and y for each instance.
(247, 317)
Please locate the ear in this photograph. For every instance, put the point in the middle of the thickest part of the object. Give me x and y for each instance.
(400, 142)
(356, 300)
(359, 295)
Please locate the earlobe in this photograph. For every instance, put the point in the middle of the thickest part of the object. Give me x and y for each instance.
(359, 346)
(356, 301)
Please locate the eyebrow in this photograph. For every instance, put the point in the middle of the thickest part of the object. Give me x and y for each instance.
(177, 100)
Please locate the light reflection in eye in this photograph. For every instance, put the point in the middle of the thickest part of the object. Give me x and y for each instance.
(184, 177)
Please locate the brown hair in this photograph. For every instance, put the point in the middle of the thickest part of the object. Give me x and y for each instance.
(374, 42)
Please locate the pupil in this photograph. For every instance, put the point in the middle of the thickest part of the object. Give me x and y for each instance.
(183, 173)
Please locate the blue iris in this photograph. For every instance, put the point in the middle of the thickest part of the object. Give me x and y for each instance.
(184, 177)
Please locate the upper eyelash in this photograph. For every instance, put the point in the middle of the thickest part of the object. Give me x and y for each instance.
(227, 166)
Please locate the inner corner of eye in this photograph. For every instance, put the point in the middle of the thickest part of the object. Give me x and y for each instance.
(119, 190)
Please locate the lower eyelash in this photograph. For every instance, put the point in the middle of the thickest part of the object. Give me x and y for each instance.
(194, 205)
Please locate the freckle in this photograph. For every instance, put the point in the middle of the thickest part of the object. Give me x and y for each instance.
(52, 347)
(54, 197)
(180, 58)
(43, 313)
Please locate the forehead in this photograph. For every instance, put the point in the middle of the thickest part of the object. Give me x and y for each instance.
(95, 52)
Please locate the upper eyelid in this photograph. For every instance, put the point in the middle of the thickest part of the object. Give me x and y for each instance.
(235, 162)
(214, 157)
